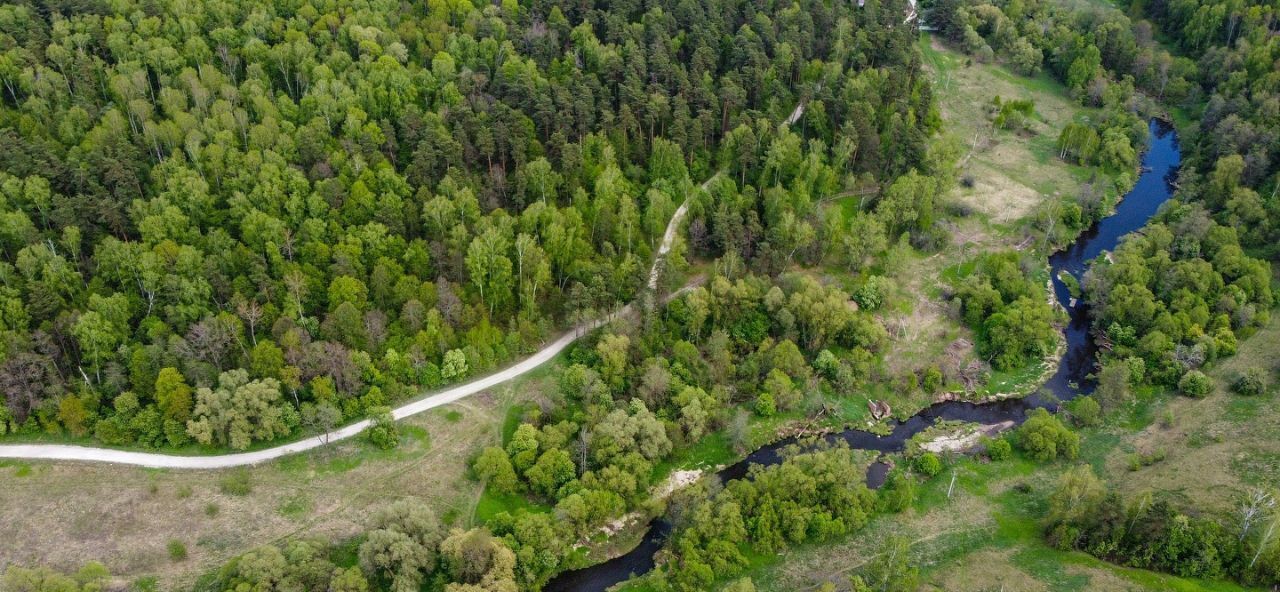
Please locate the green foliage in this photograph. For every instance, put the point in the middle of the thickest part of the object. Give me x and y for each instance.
(177, 550)
(897, 493)
(1043, 438)
(1009, 311)
(1195, 384)
(494, 468)
(240, 411)
(402, 547)
(238, 482)
(382, 431)
(765, 406)
(890, 569)
(1251, 382)
(806, 498)
(356, 209)
(998, 449)
(1085, 411)
(928, 464)
(90, 578)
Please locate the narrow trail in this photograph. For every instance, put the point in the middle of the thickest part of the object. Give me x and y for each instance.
(67, 452)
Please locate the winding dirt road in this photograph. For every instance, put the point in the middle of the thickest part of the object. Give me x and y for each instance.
(221, 461)
(173, 461)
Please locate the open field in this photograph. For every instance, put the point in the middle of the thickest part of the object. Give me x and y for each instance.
(1013, 173)
(70, 513)
(1214, 447)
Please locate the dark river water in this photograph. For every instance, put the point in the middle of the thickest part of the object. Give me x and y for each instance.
(1154, 187)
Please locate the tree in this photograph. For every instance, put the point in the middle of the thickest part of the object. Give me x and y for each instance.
(476, 561)
(173, 396)
(22, 380)
(454, 366)
(1044, 438)
(897, 493)
(400, 550)
(493, 467)
(489, 268)
(1113, 385)
(239, 411)
(1078, 494)
(553, 469)
(1020, 333)
(890, 570)
(1085, 411)
(382, 431)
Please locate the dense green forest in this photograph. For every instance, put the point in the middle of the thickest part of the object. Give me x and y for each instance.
(228, 222)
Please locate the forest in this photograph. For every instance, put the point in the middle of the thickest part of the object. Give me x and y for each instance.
(226, 225)
(229, 223)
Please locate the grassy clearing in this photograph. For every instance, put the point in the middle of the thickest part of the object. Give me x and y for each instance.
(1214, 447)
(68, 513)
(1012, 173)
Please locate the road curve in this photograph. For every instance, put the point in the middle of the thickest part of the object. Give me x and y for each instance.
(66, 452)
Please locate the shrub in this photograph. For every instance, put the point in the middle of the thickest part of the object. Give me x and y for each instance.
(932, 380)
(765, 407)
(1195, 384)
(236, 483)
(1085, 411)
(897, 493)
(177, 550)
(928, 464)
(382, 432)
(998, 449)
(1044, 438)
(1251, 382)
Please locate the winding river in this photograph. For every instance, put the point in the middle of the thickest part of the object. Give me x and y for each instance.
(1154, 187)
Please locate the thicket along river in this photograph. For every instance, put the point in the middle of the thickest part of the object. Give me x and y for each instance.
(1154, 187)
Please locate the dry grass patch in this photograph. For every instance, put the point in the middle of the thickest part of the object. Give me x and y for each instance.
(69, 513)
(1012, 173)
(1215, 447)
(985, 570)
(931, 533)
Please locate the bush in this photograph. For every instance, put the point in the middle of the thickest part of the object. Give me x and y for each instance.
(382, 432)
(1044, 438)
(1251, 382)
(1085, 411)
(765, 407)
(928, 464)
(237, 483)
(177, 550)
(897, 493)
(1195, 384)
(998, 449)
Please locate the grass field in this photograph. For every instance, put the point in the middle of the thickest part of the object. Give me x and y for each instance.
(67, 514)
(1216, 447)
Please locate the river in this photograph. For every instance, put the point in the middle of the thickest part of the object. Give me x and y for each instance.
(1153, 188)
